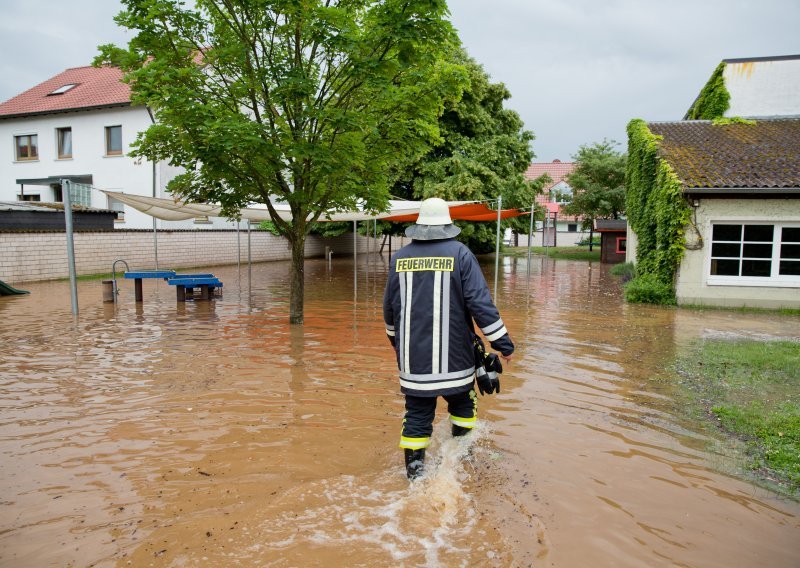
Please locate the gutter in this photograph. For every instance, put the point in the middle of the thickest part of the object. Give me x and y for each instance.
(756, 191)
(63, 110)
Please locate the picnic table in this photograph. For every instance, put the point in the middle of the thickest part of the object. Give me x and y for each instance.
(207, 283)
(138, 275)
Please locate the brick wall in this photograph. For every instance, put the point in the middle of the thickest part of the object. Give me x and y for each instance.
(43, 255)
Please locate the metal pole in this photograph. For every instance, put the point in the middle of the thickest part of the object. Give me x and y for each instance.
(66, 186)
(530, 237)
(497, 246)
(355, 256)
(238, 246)
(249, 259)
(155, 225)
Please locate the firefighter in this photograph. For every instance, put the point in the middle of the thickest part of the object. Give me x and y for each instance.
(434, 291)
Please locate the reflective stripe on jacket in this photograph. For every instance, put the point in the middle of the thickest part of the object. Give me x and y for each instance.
(434, 291)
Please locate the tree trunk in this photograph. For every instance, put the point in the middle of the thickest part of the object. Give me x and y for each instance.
(296, 279)
(591, 237)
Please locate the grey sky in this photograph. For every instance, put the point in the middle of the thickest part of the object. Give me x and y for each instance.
(578, 70)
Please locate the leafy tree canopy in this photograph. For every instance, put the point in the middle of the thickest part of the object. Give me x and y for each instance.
(321, 103)
(483, 154)
(598, 183)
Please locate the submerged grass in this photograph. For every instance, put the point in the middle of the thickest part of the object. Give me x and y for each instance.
(567, 253)
(752, 390)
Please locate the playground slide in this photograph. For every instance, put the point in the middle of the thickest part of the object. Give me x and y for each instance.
(6, 290)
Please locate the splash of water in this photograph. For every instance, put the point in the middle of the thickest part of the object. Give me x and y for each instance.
(432, 516)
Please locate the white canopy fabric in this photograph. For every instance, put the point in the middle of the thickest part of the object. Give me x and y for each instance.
(171, 210)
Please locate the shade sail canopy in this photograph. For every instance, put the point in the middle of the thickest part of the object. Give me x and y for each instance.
(399, 211)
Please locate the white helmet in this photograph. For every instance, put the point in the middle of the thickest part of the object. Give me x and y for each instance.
(433, 222)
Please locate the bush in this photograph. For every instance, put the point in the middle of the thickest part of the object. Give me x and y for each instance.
(648, 289)
(627, 270)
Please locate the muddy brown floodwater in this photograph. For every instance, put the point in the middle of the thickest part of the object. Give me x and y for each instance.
(216, 434)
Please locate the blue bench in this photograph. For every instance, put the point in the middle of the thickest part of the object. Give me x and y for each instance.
(137, 276)
(206, 282)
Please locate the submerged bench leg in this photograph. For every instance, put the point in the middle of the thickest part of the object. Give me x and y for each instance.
(181, 293)
(137, 287)
(204, 292)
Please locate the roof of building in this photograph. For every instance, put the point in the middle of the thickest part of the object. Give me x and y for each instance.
(46, 207)
(763, 155)
(94, 87)
(610, 225)
(558, 171)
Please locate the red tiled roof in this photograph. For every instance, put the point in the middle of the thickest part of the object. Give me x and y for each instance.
(96, 87)
(557, 170)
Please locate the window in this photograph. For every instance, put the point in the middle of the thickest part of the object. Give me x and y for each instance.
(113, 140)
(118, 207)
(27, 147)
(29, 197)
(622, 245)
(63, 89)
(64, 139)
(572, 227)
(755, 253)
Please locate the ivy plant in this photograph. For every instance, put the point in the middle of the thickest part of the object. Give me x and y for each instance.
(656, 209)
(713, 100)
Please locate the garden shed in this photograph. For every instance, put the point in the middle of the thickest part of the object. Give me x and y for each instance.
(613, 239)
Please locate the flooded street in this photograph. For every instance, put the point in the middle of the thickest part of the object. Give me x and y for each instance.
(215, 434)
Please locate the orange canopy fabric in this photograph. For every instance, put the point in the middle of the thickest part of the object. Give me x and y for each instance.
(466, 212)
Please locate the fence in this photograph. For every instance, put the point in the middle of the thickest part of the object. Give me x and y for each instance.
(28, 256)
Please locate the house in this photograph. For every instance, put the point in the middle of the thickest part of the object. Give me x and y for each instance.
(750, 87)
(79, 125)
(735, 188)
(554, 196)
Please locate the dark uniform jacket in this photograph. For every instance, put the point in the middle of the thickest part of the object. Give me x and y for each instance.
(434, 291)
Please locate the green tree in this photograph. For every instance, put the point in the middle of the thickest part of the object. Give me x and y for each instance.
(484, 152)
(598, 183)
(318, 103)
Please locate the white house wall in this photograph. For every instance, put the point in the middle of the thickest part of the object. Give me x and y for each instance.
(119, 173)
(763, 88)
(692, 282)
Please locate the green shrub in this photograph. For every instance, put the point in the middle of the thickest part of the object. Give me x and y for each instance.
(648, 289)
(627, 270)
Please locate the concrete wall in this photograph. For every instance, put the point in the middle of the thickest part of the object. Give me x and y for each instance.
(763, 88)
(564, 238)
(694, 286)
(42, 256)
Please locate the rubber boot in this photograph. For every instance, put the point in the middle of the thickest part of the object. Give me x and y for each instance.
(460, 431)
(415, 463)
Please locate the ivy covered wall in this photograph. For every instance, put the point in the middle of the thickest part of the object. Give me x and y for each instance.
(713, 100)
(656, 209)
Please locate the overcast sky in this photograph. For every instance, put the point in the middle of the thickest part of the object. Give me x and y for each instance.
(578, 70)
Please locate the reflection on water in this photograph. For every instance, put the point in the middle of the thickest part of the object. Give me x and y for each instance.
(180, 434)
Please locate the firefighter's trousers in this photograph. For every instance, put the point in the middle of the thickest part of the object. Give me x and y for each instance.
(420, 411)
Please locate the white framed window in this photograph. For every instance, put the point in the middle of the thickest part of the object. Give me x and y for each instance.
(754, 253)
(26, 147)
(64, 143)
(113, 140)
